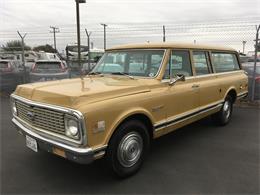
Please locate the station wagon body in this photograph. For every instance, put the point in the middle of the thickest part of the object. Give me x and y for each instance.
(134, 94)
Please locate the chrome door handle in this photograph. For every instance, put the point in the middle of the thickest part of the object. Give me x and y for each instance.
(195, 86)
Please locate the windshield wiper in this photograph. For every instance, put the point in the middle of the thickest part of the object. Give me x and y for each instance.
(123, 73)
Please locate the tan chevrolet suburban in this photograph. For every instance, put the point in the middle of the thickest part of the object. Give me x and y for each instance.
(134, 94)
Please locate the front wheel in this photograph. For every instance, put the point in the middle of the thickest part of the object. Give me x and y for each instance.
(127, 148)
(223, 117)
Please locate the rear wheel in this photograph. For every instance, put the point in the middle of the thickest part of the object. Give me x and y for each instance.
(223, 117)
(128, 148)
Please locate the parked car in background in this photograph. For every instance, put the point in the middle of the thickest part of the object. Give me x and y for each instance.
(46, 70)
(243, 59)
(11, 74)
(47, 56)
(249, 68)
(29, 64)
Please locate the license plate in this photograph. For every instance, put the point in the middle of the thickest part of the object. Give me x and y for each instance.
(31, 143)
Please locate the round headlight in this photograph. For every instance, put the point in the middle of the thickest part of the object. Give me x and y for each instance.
(14, 109)
(72, 127)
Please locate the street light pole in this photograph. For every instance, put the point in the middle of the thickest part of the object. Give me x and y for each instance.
(104, 25)
(78, 29)
(78, 32)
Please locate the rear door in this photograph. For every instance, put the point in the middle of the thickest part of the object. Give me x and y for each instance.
(209, 87)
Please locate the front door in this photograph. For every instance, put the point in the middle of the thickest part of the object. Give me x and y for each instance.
(183, 96)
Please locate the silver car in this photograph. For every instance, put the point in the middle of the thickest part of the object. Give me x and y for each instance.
(46, 70)
(11, 74)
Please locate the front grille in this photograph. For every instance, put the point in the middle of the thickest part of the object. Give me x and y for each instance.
(41, 118)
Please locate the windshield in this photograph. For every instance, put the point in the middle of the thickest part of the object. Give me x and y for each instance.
(145, 63)
(51, 67)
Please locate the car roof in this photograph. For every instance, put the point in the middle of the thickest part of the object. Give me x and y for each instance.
(170, 45)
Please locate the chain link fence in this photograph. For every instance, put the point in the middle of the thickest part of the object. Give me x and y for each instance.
(236, 34)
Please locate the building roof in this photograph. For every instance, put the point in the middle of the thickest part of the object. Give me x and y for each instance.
(170, 45)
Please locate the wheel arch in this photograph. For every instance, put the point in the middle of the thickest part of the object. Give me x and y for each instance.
(232, 93)
(140, 115)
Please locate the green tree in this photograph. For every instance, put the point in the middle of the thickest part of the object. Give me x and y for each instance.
(14, 45)
(46, 48)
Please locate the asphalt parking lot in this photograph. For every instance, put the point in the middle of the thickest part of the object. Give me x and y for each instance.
(200, 158)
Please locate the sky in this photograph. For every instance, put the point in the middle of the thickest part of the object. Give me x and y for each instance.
(208, 21)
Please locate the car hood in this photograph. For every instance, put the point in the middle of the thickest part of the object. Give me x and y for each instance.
(73, 92)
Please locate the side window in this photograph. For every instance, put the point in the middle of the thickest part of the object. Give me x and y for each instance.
(179, 63)
(224, 62)
(200, 62)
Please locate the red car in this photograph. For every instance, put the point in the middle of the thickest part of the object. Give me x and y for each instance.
(249, 68)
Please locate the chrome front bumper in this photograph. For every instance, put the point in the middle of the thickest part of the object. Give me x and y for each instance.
(76, 154)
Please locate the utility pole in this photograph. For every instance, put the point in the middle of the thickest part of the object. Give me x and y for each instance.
(23, 58)
(88, 35)
(104, 25)
(54, 31)
(244, 45)
(254, 73)
(164, 39)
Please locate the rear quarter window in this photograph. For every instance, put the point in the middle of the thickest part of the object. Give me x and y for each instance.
(224, 62)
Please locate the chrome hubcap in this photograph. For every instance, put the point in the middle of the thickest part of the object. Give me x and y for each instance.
(130, 149)
(227, 109)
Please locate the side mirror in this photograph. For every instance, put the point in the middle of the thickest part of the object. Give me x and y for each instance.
(179, 77)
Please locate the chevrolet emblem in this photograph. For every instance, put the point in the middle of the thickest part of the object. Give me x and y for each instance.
(30, 115)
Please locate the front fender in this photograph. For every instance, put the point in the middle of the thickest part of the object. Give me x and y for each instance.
(122, 117)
